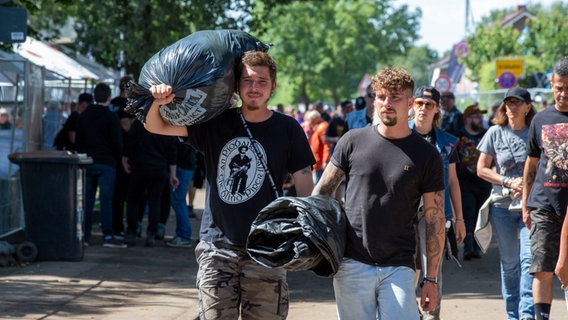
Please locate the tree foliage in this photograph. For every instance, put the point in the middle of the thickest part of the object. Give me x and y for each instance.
(548, 34)
(545, 40)
(416, 61)
(125, 34)
(488, 43)
(326, 47)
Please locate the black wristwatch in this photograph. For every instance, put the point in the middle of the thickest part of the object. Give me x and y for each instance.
(428, 279)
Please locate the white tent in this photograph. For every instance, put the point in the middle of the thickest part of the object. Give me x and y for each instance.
(43, 54)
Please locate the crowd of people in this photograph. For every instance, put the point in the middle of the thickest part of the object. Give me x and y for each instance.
(411, 170)
(134, 173)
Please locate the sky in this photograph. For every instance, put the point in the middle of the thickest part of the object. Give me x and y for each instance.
(443, 21)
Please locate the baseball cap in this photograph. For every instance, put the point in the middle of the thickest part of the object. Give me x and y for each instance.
(428, 92)
(519, 93)
(472, 110)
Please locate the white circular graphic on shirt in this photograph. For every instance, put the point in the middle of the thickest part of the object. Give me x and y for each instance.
(239, 173)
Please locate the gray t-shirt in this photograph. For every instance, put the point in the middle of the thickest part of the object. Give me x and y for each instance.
(508, 148)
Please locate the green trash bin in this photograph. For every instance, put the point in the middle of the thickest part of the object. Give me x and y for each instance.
(53, 184)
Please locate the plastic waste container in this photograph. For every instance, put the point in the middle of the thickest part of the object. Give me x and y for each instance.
(53, 184)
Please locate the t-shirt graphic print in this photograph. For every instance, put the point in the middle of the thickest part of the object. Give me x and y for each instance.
(555, 145)
(240, 175)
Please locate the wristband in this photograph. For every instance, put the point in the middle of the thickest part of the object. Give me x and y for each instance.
(428, 279)
(504, 181)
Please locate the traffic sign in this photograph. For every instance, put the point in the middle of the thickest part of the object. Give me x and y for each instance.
(516, 67)
(443, 83)
(507, 80)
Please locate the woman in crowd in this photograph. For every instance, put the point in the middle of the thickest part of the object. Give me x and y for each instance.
(501, 162)
(426, 123)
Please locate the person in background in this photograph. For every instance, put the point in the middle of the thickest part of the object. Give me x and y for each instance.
(494, 109)
(319, 148)
(334, 132)
(389, 169)
(5, 123)
(362, 117)
(474, 190)
(311, 119)
(545, 192)
(229, 282)
(51, 123)
(117, 105)
(503, 148)
(427, 118)
(196, 183)
(290, 111)
(98, 135)
(65, 139)
(150, 160)
(452, 118)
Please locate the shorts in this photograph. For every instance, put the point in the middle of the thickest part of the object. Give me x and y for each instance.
(545, 240)
(230, 284)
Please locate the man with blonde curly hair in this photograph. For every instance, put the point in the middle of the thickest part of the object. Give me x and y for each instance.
(389, 170)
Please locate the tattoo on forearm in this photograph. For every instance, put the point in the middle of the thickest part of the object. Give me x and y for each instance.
(435, 230)
(306, 170)
(329, 181)
(531, 175)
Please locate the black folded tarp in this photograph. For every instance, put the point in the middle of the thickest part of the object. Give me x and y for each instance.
(299, 234)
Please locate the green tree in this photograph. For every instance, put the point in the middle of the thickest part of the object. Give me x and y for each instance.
(416, 62)
(326, 47)
(548, 34)
(125, 34)
(488, 43)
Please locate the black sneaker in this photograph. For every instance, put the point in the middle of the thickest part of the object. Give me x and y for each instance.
(161, 232)
(150, 241)
(113, 243)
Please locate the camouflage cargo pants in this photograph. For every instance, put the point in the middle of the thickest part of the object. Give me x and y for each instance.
(231, 284)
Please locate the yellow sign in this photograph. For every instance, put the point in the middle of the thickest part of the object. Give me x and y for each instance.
(516, 67)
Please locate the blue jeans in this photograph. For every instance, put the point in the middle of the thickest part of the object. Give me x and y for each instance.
(515, 254)
(366, 292)
(177, 201)
(103, 176)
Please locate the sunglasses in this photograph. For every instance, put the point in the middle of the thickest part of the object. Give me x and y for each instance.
(429, 105)
(371, 95)
(514, 102)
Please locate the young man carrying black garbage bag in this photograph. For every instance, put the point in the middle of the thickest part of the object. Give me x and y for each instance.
(230, 283)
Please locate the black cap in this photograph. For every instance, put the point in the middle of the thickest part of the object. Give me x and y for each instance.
(428, 92)
(519, 93)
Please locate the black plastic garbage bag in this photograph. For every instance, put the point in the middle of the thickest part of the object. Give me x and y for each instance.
(299, 234)
(201, 70)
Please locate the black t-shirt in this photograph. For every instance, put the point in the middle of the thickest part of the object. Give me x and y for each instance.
(118, 104)
(237, 184)
(468, 154)
(386, 179)
(548, 141)
(336, 127)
